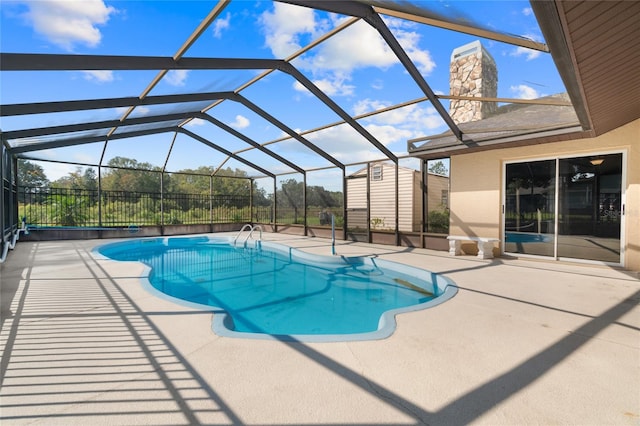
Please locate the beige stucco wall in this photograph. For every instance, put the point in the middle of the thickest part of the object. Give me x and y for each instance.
(476, 183)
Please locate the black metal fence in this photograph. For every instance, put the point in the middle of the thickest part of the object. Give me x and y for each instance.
(92, 208)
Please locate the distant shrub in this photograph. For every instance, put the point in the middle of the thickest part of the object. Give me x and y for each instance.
(438, 222)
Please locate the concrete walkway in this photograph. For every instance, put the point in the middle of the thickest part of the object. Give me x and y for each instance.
(523, 342)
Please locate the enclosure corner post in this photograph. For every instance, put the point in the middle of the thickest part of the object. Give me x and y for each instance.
(304, 203)
(251, 216)
(274, 207)
(211, 202)
(161, 203)
(99, 196)
(344, 204)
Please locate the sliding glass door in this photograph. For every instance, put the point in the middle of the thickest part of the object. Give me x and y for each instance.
(565, 208)
(530, 213)
(590, 190)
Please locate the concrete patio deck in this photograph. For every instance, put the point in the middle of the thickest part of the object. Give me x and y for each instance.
(523, 342)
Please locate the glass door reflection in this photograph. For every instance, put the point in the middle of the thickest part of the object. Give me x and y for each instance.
(529, 218)
(589, 220)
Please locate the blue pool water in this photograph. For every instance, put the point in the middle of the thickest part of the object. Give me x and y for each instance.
(527, 237)
(271, 289)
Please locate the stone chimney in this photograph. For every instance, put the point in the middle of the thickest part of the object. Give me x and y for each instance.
(473, 73)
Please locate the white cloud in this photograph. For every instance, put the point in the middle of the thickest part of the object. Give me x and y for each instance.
(67, 23)
(103, 76)
(361, 46)
(358, 46)
(522, 91)
(527, 11)
(330, 86)
(367, 105)
(176, 77)
(341, 142)
(220, 25)
(529, 54)
(387, 134)
(284, 26)
(344, 144)
(240, 122)
(392, 128)
(409, 40)
(139, 111)
(334, 60)
(143, 110)
(196, 122)
(414, 118)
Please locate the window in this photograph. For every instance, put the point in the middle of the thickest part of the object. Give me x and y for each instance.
(376, 172)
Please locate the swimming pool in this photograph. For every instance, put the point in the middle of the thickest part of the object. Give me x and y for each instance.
(273, 291)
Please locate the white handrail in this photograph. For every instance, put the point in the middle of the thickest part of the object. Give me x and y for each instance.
(246, 225)
(253, 228)
(249, 235)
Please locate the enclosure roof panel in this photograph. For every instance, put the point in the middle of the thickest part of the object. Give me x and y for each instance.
(307, 84)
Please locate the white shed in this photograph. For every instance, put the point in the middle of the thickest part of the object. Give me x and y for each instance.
(382, 179)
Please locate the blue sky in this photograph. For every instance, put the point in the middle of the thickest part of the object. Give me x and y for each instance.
(354, 67)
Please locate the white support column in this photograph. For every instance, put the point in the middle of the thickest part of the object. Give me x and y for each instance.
(485, 249)
(455, 247)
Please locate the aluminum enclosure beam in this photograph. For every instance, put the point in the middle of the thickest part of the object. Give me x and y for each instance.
(248, 140)
(92, 139)
(61, 143)
(262, 113)
(55, 62)
(224, 151)
(80, 105)
(69, 128)
(411, 12)
(44, 131)
(44, 107)
(339, 111)
(368, 14)
(47, 62)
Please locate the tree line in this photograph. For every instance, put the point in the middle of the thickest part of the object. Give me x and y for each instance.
(129, 175)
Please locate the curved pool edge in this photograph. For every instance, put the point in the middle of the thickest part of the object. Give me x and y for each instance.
(386, 326)
(221, 319)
